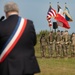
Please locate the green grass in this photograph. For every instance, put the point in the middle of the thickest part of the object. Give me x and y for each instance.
(55, 66)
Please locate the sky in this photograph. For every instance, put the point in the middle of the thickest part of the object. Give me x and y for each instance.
(36, 10)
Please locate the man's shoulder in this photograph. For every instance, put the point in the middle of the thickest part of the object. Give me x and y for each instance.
(28, 20)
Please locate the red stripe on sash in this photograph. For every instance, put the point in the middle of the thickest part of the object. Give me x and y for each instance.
(15, 42)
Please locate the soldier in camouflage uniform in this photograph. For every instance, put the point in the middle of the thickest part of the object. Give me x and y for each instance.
(43, 43)
(58, 43)
(73, 44)
(66, 40)
(62, 44)
(50, 43)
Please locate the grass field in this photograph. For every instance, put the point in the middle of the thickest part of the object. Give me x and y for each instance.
(55, 66)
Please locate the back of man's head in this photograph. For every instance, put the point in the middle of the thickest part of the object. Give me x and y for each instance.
(10, 7)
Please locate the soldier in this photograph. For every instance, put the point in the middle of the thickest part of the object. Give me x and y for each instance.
(73, 44)
(66, 39)
(43, 43)
(50, 44)
(62, 44)
(58, 43)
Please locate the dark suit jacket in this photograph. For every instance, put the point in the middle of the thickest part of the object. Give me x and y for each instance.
(21, 59)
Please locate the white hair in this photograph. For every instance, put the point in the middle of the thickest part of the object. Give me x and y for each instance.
(11, 6)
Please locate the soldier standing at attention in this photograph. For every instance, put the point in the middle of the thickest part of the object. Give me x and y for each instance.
(50, 44)
(73, 44)
(43, 43)
(57, 43)
(62, 43)
(66, 38)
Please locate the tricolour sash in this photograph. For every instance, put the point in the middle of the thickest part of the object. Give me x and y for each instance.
(13, 39)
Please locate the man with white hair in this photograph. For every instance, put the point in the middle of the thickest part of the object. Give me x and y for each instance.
(17, 41)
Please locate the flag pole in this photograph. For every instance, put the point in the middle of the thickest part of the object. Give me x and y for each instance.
(57, 6)
(50, 25)
(57, 11)
(65, 6)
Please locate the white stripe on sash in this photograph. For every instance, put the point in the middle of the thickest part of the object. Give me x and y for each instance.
(13, 39)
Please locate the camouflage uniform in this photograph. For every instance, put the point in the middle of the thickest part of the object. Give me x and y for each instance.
(62, 44)
(58, 43)
(43, 43)
(66, 39)
(50, 44)
(73, 44)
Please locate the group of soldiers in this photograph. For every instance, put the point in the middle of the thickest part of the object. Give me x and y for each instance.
(59, 44)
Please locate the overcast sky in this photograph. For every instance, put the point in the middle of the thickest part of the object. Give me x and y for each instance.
(36, 10)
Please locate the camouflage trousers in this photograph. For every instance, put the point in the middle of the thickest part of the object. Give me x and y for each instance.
(72, 50)
(50, 49)
(65, 49)
(43, 50)
(58, 49)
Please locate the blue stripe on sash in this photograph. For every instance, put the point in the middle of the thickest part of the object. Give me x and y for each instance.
(18, 23)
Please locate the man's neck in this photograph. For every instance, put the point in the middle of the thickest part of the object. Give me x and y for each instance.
(12, 13)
